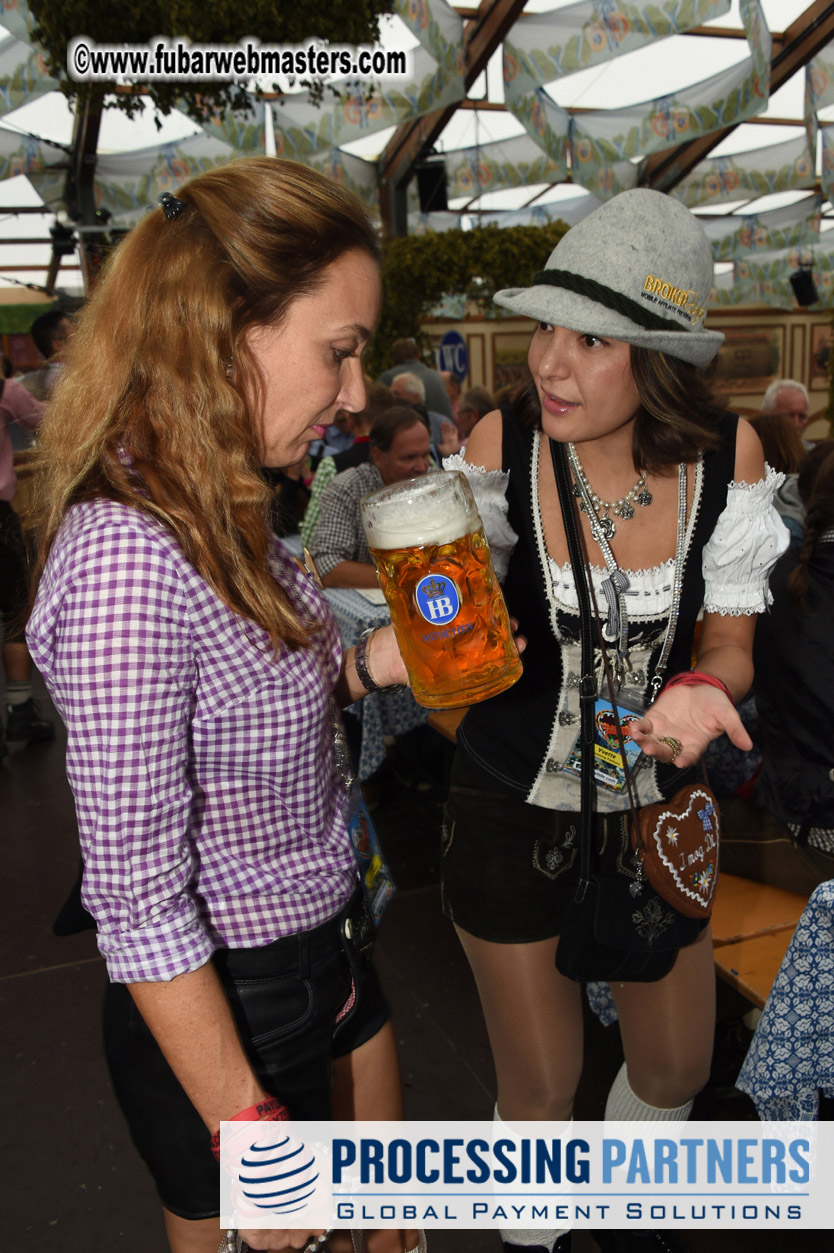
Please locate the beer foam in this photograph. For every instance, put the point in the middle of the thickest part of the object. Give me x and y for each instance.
(428, 510)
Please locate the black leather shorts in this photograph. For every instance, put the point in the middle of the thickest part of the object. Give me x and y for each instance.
(508, 868)
(286, 998)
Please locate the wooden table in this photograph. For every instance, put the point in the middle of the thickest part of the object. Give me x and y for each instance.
(744, 909)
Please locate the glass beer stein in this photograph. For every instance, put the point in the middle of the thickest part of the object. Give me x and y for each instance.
(447, 609)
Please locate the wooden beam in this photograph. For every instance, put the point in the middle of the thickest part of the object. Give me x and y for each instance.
(481, 36)
(3, 268)
(802, 41)
(80, 189)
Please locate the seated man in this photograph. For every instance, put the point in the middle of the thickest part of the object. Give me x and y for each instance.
(790, 398)
(377, 400)
(399, 450)
(408, 389)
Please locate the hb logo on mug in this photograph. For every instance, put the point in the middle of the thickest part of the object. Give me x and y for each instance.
(438, 598)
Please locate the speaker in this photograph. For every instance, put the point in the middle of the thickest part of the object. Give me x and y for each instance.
(431, 186)
(804, 287)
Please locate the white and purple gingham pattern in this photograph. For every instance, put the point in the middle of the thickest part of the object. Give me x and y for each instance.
(208, 807)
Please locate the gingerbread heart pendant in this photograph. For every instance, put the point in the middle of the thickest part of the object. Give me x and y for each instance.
(677, 842)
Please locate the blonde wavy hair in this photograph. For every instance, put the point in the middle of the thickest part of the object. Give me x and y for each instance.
(148, 411)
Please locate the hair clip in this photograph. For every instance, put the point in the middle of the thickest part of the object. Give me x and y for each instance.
(171, 207)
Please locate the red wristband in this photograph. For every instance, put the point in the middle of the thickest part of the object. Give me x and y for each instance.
(269, 1109)
(697, 678)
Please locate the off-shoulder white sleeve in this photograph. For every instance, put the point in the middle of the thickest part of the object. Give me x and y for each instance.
(748, 539)
(489, 487)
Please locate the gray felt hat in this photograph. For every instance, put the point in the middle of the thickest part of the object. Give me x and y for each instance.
(638, 269)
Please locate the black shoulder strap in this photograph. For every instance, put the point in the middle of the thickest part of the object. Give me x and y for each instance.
(587, 683)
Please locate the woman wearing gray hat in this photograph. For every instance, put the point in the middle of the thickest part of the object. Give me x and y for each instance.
(676, 517)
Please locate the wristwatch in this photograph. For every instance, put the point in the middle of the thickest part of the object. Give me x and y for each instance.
(360, 662)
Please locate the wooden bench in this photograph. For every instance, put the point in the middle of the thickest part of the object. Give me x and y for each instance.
(752, 926)
(744, 909)
(750, 966)
(752, 923)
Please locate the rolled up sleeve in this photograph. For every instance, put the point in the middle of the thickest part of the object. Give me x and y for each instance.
(111, 633)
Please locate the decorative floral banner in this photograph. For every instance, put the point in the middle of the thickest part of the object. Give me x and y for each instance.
(544, 120)
(127, 184)
(819, 79)
(21, 154)
(598, 177)
(433, 22)
(787, 166)
(603, 137)
(360, 108)
(17, 18)
(23, 75)
(568, 211)
(303, 126)
(741, 234)
(770, 274)
(243, 129)
(827, 175)
(357, 175)
(728, 291)
(515, 162)
(546, 46)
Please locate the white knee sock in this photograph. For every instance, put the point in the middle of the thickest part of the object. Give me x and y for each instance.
(523, 1235)
(624, 1106)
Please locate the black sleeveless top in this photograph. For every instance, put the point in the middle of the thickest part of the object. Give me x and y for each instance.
(508, 737)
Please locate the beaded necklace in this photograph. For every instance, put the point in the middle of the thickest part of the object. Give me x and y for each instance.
(588, 499)
(615, 629)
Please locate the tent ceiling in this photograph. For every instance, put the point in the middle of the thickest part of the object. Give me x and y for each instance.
(524, 144)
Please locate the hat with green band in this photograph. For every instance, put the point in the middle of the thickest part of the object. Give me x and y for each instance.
(638, 269)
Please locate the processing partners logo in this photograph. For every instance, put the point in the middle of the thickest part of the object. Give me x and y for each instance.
(313, 1176)
(273, 1179)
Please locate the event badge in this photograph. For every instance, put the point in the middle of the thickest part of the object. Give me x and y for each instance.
(377, 883)
(608, 761)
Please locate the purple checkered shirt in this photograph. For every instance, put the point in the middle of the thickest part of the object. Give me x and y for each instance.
(208, 807)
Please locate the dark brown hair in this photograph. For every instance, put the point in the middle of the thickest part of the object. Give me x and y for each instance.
(157, 406)
(819, 517)
(671, 391)
(781, 441)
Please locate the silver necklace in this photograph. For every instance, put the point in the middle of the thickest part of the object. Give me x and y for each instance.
(615, 629)
(588, 499)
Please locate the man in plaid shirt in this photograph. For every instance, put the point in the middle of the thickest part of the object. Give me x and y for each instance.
(400, 449)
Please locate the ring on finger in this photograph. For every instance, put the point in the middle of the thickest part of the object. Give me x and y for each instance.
(673, 744)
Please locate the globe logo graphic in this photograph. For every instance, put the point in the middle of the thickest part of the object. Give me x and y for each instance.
(278, 1174)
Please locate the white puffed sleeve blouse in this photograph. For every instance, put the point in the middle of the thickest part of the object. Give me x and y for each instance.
(748, 539)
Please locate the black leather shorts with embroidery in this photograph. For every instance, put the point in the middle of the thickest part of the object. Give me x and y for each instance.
(508, 868)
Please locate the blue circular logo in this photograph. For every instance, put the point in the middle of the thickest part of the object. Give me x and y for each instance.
(278, 1176)
(438, 599)
(454, 355)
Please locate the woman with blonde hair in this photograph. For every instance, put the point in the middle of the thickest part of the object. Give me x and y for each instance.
(198, 671)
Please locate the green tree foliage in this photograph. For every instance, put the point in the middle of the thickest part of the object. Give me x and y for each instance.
(218, 22)
(418, 270)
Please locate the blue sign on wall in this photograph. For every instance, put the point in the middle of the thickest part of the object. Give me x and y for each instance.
(454, 355)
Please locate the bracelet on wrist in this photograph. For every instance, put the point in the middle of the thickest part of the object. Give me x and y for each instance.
(360, 664)
(699, 678)
(269, 1109)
